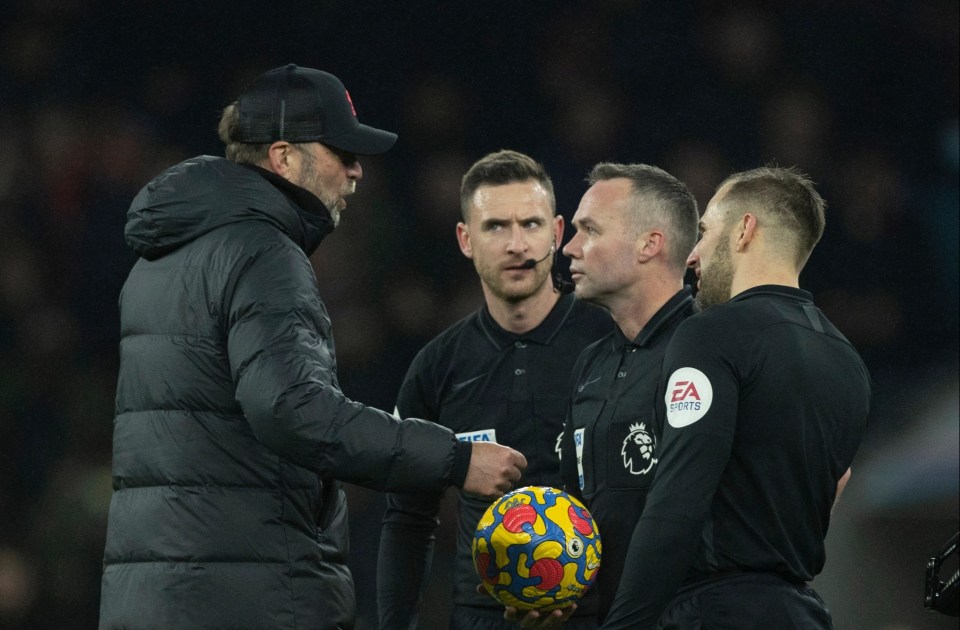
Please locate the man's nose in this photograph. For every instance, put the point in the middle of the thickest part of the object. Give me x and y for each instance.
(355, 171)
(518, 242)
(693, 260)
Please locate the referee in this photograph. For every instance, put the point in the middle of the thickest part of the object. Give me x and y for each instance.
(635, 227)
(499, 375)
(765, 403)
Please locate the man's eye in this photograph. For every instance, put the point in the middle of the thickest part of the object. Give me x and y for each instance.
(347, 158)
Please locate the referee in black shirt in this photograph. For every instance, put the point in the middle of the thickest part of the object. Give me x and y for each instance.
(635, 228)
(764, 406)
(501, 375)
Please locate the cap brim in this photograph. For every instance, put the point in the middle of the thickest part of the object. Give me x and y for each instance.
(363, 140)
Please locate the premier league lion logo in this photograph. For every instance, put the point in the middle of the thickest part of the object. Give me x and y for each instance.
(638, 450)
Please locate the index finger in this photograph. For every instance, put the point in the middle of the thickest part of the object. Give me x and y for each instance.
(521, 460)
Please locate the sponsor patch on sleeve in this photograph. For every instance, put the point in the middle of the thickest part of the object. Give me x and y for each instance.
(483, 435)
(688, 397)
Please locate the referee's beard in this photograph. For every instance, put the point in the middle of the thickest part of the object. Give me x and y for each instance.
(501, 285)
(716, 280)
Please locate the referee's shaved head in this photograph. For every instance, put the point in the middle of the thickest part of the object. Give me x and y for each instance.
(787, 202)
(660, 201)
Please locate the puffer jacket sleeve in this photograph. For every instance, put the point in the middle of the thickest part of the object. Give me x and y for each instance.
(282, 361)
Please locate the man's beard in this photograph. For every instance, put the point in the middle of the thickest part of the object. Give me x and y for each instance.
(336, 203)
(334, 207)
(512, 292)
(311, 181)
(716, 281)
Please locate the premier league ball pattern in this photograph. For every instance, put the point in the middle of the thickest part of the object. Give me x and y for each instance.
(536, 548)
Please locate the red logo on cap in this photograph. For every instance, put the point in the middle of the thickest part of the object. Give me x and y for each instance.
(350, 100)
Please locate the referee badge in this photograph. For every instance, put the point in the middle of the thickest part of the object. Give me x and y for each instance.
(483, 435)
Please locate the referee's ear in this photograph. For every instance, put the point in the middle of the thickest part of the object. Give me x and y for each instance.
(746, 230)
(558, 226)
(650, 244)
(463, 239)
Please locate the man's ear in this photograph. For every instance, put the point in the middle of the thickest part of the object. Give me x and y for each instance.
(746, 230)
(280, 158)
(650, 244)
(557, 232)
(463, 239)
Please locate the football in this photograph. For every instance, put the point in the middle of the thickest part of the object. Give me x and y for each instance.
(536, 548)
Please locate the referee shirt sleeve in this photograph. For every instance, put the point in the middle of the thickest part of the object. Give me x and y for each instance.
(696, 445)
(407, 536)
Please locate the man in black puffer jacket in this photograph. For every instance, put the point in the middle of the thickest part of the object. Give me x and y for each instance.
(231, 430)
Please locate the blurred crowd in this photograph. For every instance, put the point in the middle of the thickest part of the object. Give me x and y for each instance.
(98, 97)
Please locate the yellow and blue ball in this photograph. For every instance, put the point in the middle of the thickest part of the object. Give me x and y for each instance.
(536, 548)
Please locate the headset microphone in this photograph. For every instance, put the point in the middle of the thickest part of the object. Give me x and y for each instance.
(564, 286)
(530, 263)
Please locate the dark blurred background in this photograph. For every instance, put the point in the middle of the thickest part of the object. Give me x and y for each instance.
(98, 97)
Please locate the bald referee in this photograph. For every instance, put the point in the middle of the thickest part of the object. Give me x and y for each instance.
(636, 224)
(764, 405)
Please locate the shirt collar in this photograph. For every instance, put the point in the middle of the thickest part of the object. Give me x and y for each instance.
(676, 307)
(542, 334)
(774, 289)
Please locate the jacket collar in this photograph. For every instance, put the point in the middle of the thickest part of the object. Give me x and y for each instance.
(309, 207)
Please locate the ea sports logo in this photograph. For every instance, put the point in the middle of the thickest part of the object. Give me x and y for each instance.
(688, 397)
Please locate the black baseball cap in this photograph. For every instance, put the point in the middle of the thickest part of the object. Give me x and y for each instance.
(305, 105)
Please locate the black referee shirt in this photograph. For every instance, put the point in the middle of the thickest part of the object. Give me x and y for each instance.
(764, 406)
(610, 446)
(486, 384)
